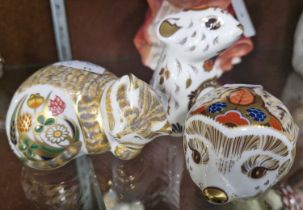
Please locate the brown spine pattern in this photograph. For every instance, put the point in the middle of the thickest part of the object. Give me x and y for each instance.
(232, 148)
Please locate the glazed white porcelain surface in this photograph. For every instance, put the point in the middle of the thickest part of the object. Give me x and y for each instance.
(74, 108)
(298, 47)
(187, 65)
(240, 140)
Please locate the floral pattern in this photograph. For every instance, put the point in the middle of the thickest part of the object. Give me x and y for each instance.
(242, 96)
(216, 107)
(24, 123)
(57, 106)
(35, 100)
(273, 122)
(235, 106)
(57, 133)
(42, 122)
(256, 114)
(232, 119)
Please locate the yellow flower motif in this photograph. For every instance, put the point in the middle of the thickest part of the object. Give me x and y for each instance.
(35, 100)
(24, 123)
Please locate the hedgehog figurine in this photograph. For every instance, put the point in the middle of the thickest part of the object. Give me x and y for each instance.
(239, 140)
(73, 108)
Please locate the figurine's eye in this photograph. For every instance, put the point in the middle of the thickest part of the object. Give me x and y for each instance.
(258, 172)
(257, 166)
(196, 156)
(199, 151)
(213, 23)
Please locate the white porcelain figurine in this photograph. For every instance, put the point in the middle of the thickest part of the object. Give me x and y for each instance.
(298, 48)
(239, 140)
(74, 108)
(193, 40)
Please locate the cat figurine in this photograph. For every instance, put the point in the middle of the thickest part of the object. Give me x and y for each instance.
(73, 108)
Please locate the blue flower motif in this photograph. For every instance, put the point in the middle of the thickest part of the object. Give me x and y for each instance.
(216, 107)
(256, 114)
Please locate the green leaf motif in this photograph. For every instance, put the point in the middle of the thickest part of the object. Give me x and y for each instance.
(39, 128)
(34, 146)
(41, 119)
(30, 153)
(49, 121)
(22, 147)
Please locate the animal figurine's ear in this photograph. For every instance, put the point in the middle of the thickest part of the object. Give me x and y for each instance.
(239, 140)
(145, 103)
(166, 29)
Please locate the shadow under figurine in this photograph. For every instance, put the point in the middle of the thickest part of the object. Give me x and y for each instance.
(69, 109)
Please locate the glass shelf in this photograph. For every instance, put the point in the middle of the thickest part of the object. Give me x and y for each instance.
(157, 179)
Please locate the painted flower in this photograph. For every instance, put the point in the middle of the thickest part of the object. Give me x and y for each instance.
(57, 106)
(242, 96)
(199, 110)
(274, 123)
(256, 114)
(57, 133)
(24, 123)
(216, 107)
(35, 100)
(232, 118)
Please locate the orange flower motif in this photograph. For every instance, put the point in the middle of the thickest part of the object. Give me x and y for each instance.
(242, 96)
(24, 123)
(232, 119)
(274, 123)
(35, 100)
(198, 110)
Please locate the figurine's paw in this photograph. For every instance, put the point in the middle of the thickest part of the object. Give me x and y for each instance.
(126, 151)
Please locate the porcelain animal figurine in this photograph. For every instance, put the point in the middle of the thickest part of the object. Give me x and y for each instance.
(297, 59)
(74, 108)
(292, 96)
(287, 196)
(150, 47)
(239, 140)
(187, 66)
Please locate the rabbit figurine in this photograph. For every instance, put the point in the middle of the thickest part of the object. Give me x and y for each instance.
(239, 140)
(74, 108)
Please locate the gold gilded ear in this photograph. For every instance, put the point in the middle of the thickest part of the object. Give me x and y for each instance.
(167, 29)
(134, 81)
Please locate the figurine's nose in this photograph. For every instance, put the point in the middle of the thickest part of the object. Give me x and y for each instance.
(215, 195)
(241, 27)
